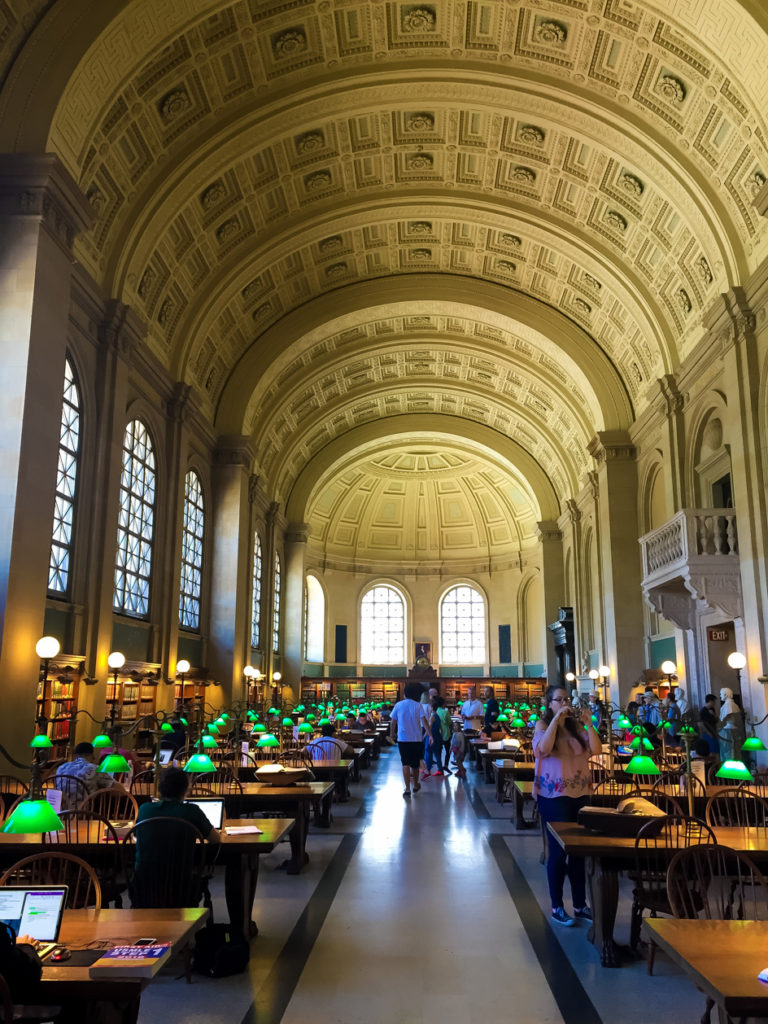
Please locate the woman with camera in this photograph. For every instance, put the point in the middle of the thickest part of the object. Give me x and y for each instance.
(563, 741)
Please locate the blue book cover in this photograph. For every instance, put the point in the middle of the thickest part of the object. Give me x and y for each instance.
(131, 961)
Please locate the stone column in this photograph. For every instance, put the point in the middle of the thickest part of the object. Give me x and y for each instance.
(296, 537)
(553, 579)
(41, 212)
(268, 596)
(229, 635)
(675, 435)
(620, 563)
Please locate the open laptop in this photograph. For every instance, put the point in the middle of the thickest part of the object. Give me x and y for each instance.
(212, 807)
(35, 911)
(166, 756)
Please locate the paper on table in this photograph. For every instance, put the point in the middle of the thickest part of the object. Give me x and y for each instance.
(242, 830)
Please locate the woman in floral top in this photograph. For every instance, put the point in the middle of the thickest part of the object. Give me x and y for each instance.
(563, 741)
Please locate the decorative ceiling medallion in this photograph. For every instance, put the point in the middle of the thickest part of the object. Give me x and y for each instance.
(213, 195)
(318, 181)
(683, 301)
(309, 141)
(524, 174)
(507, 265)
(582, 306)
(146, 283)
(757, 182)
(703, 270)
(336, 270)
(551, 33)
(289, 43)
(421, 255)
(418, 19)
(531, 135)
(262, 311)
(420, 161)
(331, 244)
(671, 88)
(632, 185)
(253, 289)
(615, 219)
(166, 312)
(511, 241)
(420, 227)
(96, 198)
(420, 122)
(174, 104)
(591, 282)
(227, 230)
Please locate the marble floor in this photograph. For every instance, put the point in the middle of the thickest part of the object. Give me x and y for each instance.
(412, 912)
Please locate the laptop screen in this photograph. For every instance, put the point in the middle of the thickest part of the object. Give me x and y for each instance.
(213, 809)
(165, 756)
(34, 911)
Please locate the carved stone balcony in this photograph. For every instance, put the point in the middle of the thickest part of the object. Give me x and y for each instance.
(691, 566)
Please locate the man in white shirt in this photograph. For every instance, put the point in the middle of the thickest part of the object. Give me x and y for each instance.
(472, 712)
(408, 720)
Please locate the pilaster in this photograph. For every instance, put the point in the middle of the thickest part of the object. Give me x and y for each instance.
(553, 579)
(295, 546)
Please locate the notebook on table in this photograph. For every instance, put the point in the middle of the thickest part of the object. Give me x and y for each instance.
(35, 911)
(212, 808)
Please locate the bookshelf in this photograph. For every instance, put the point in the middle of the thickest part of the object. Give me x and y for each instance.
(133, 695)
(57, 699)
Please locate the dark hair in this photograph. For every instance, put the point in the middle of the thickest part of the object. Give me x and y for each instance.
(632, 705)
(173, 784)
(84, 748)
(702, 748)
(413, 691)
(571, 726)
(709, 697)
(327, 730)
(438, 702)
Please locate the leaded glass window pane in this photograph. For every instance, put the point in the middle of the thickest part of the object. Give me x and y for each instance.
(66, 485)
(256, 605)
(462, 627)
(136, 522)
(276, 608)
(191, 553)
(382, 622)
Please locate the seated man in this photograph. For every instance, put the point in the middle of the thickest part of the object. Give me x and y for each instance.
(82, 767)
(327, 748)
(164, 856)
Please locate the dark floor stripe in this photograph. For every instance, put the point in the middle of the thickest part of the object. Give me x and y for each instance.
(273, 997)
(478, 804)
(572, 1000)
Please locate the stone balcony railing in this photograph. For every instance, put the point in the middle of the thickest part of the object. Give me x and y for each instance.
(687, 536)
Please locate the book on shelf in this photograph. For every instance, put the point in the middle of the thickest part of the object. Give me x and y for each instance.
(131, 961)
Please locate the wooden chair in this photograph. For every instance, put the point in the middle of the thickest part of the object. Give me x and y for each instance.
(296, 758)
(716, 883)
(220, 783)
(598, 769)
(325, 749)
(654, 846)
(115, 804)
(11, 786)
(166, 864)
(660, 799)
(613, 787)
(143, 783)
(736, 808)
(86, 824)
(73, 790)
(58, 869)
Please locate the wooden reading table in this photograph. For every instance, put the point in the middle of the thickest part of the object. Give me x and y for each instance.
(293, 800)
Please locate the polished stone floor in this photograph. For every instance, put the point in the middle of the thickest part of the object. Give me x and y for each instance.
(414, 912)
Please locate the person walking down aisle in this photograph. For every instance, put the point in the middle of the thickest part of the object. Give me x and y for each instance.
(562, 744)
(407, 724)
(459, 749)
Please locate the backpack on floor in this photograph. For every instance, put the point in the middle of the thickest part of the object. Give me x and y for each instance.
(218, 954)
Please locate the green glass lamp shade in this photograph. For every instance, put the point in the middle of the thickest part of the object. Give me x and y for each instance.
(101, 742)
(503, 718)
(340, 717)
(735, 770)
(252, 716)
(225, 715)
(259, 728)
(525, 707)
(753, 743)
(688, 729)
(306, 727)
(199, 763)
(273, 711)
(268, 740)
(641, 764)
(311, 718)
(624, 722)
(518, 723)
(33, 816)
(666, 725)
(641, 741)
(166, 727)
(114, 763)
(184, 722)
(299, 708)
(324, 721)
(287, 722)
(221, 723)
(533, 718)
(41, 742)
(213, 729)
(209, 743)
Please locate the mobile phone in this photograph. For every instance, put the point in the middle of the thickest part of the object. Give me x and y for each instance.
(145, 942)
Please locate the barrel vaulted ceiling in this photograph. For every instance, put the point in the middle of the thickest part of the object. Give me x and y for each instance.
(505, 213)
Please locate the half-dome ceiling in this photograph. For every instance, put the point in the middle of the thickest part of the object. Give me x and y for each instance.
(432, 506)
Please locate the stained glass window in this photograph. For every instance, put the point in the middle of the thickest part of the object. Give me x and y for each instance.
(276, 608)
(136, 523)
(66, 486)
(462, 627)
(382, 627)
(256, 604)
(191, 553)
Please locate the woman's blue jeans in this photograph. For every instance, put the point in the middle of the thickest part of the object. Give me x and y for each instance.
(563, 808)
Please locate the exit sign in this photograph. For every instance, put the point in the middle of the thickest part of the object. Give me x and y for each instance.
(715, 635)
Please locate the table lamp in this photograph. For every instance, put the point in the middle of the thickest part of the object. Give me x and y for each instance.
(736, 771)
(268, 740)
(641, 764)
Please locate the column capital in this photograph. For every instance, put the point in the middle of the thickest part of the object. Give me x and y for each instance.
(673, 398)
(612, 446)
(234, 450)
(39, 186)
(548, 532)
(730, 318)
(297, 533)
(121, 329)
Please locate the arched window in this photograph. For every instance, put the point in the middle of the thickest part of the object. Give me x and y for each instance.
(462, 627)
(276, 608)
(191, 553)
(314, 638)
(382, 626)
(136, 523)
(256, 601)
(66, 486)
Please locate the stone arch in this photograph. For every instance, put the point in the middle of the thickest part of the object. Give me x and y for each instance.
(708, 452)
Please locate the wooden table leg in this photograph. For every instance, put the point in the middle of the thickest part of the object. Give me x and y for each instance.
(240, 878)
(298, 840)
(603, 880)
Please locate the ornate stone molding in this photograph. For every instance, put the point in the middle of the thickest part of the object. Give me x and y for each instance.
(178, 405)
(121, 329)
(673, 397)
(253, 487)
(40, 187)
(548, 532)
(611, 446)
(234, 450)
(297, 533)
